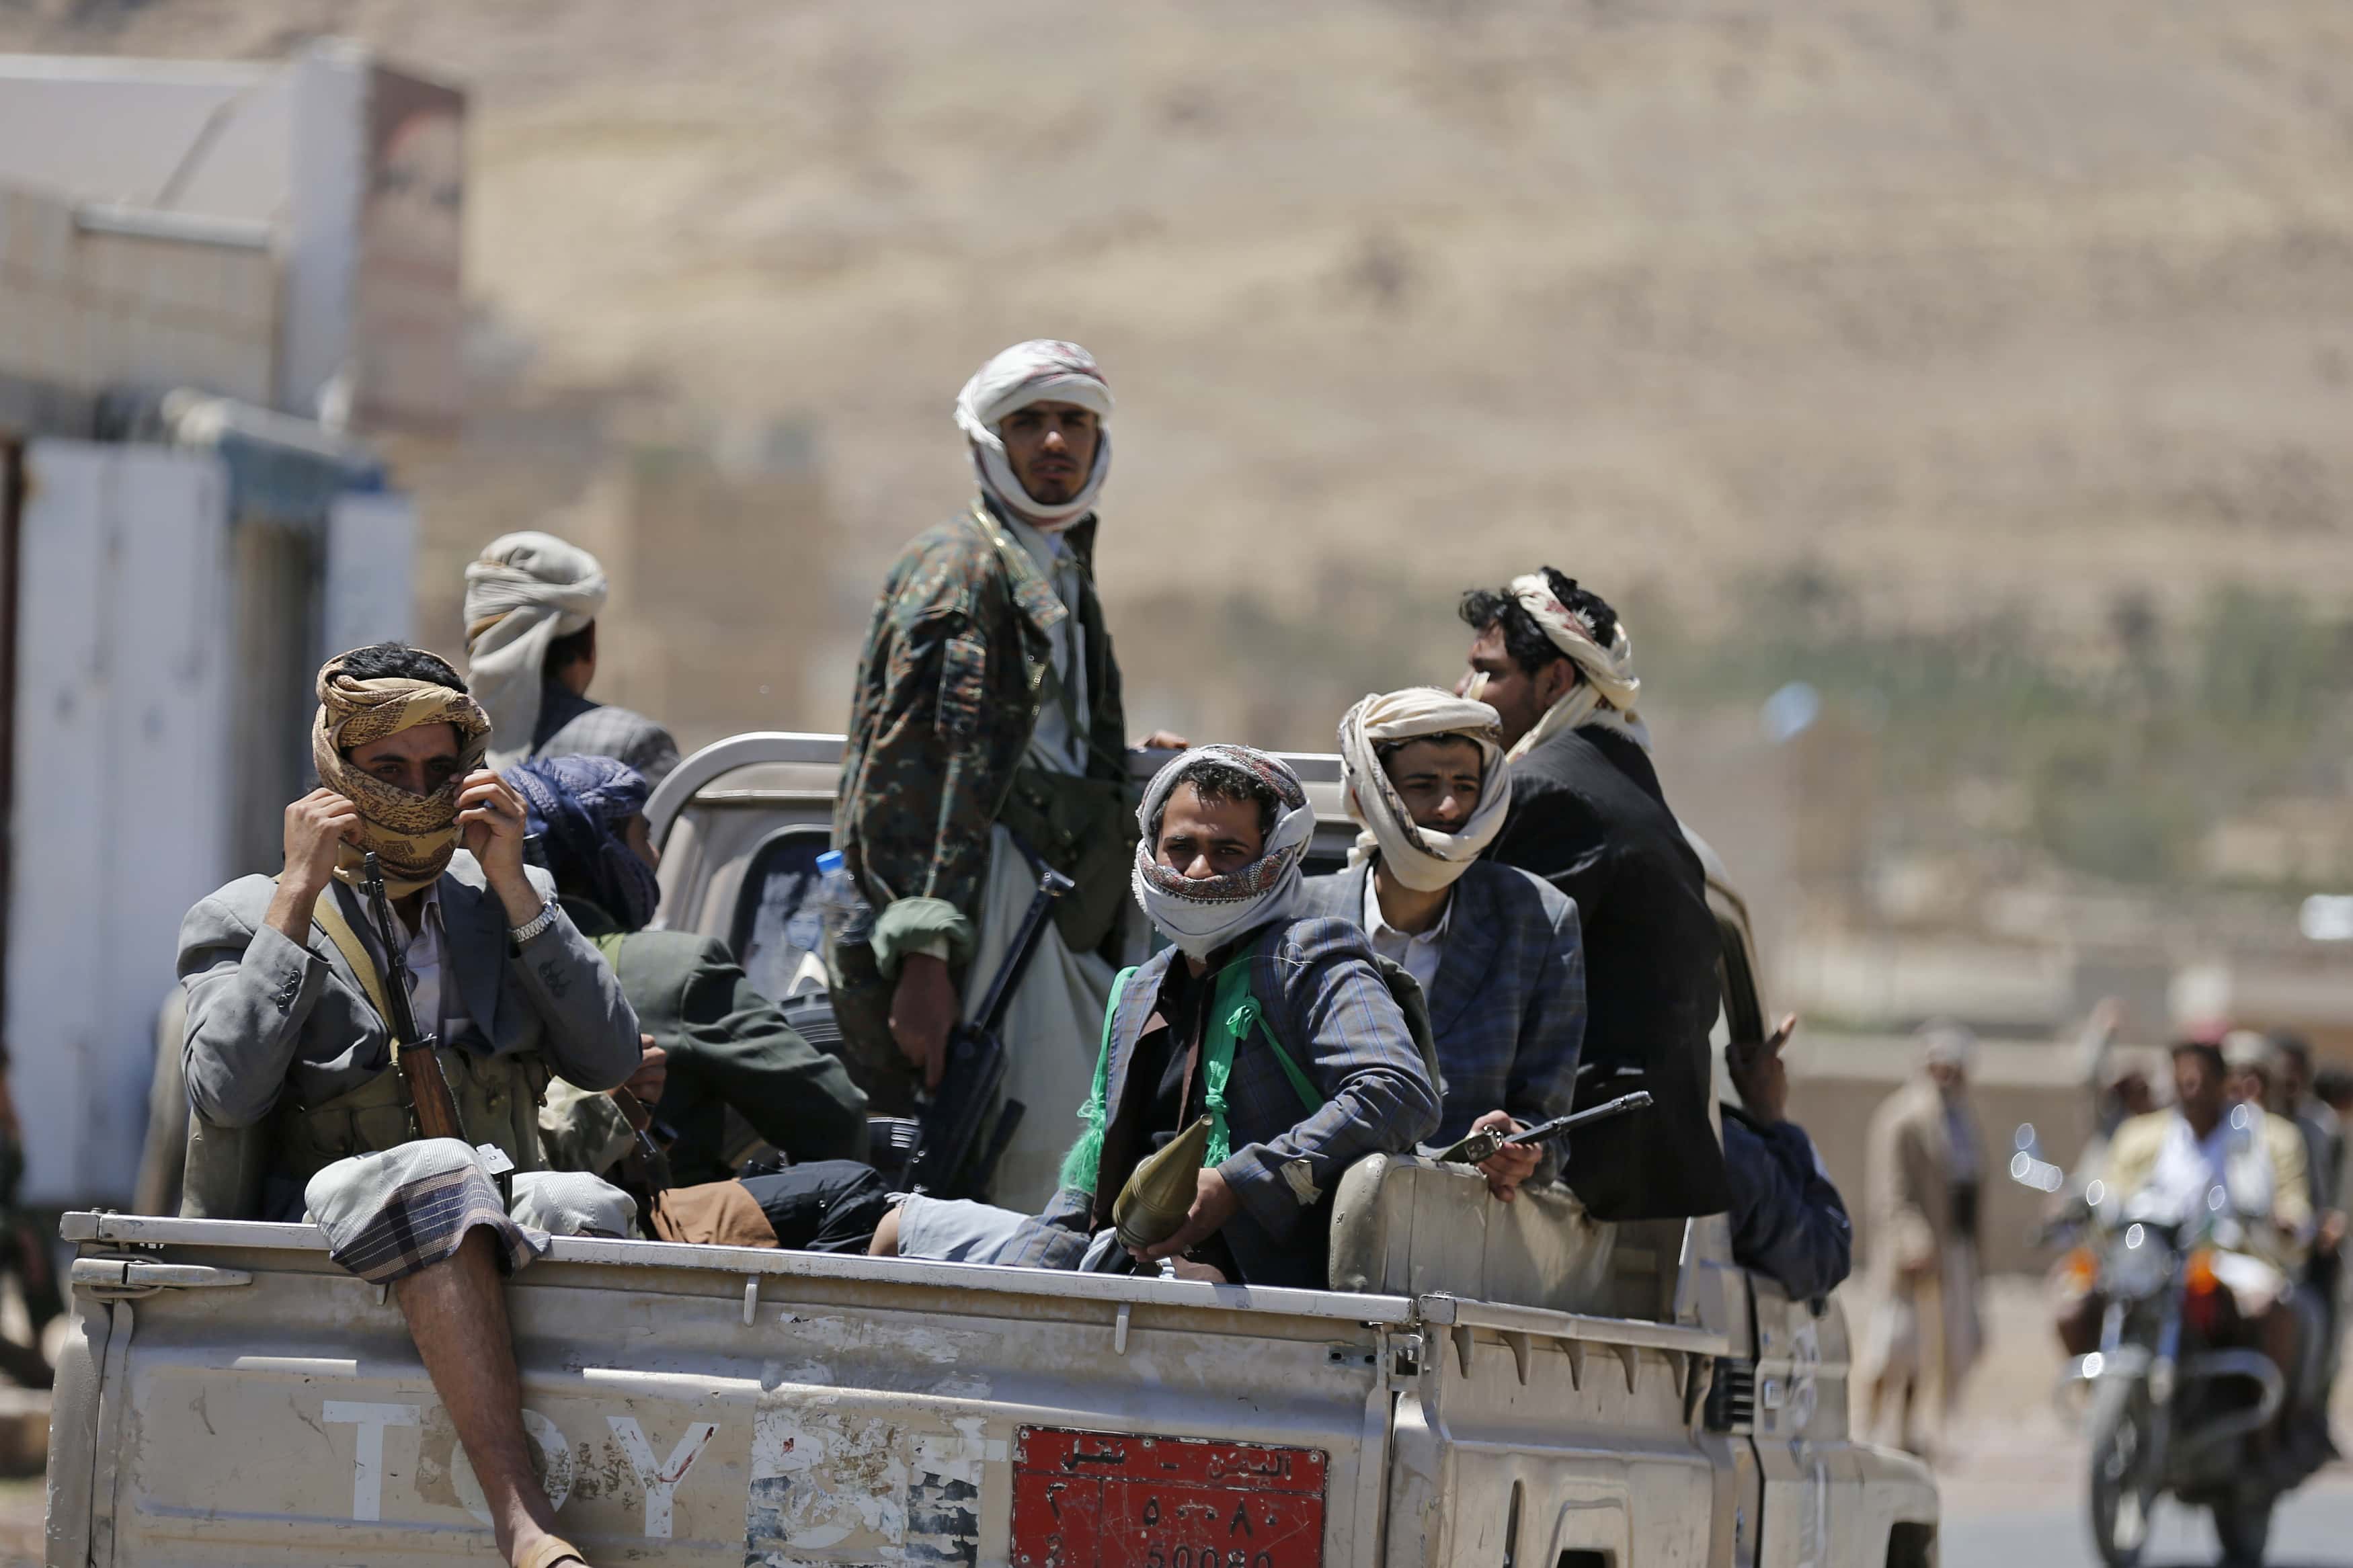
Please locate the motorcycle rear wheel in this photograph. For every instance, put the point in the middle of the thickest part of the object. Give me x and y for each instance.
(2123, 1496)
(2243, 1527)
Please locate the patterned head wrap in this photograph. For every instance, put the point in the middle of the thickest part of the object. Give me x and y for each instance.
(1201, 916)
(1423, 858)
(1039, 371)
(578, 809)
(525, 591)
(1606, 695)
(413, 834)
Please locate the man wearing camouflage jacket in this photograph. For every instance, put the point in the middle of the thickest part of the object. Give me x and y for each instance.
(986, 739)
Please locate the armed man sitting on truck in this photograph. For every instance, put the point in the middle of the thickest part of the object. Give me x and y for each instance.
(1242, 1069)
(719, 1044)
(291, 1038)
(1494, 949)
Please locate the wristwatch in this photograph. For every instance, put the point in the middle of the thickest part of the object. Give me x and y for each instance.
(533, 926)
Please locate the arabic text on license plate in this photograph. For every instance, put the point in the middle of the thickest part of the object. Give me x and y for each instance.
(1109, 1499)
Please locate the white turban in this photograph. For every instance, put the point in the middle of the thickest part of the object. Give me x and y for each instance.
(1606, 695)
(1201, 916)
(1944, 1043)
(525, 591)
(1039, 371)
(1423, 858)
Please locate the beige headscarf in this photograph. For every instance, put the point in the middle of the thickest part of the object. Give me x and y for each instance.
(1421, 857)
(413, 834)
(525, 591)
(1605, 696)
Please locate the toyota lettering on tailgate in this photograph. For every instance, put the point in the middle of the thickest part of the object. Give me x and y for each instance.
(1109, 1499)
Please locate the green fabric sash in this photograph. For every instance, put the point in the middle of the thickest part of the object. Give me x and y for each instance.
(1234, 1013)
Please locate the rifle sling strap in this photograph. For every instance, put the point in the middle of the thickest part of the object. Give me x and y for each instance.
(327, 914)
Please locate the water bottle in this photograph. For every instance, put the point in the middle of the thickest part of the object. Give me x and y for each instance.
(841, 909)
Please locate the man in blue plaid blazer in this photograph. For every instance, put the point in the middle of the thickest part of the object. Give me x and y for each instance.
(1507, 1000)
(1228, 826)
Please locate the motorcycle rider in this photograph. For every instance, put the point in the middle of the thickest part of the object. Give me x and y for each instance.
(2166, 1165)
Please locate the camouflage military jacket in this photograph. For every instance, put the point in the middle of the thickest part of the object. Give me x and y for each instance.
(954, 667)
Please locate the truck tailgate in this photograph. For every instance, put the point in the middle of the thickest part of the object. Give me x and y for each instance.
(232, 1397)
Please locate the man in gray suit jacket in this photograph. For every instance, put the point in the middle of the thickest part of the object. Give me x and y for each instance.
(1497, 950)
(287, 1039)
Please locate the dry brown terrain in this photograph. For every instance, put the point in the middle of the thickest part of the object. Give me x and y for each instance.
(2020, 302)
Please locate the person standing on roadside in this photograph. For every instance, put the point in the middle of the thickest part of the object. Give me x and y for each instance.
(1924, 1161)
(987, 738)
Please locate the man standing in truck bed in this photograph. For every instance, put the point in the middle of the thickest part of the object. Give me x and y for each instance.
(987, 733)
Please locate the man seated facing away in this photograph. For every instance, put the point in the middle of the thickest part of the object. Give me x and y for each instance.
(287, 1036)
(1322, 1071)
(2167, 1163)
(530, 650)
(1788, 1222)
(717, 1042)
(1496, 950)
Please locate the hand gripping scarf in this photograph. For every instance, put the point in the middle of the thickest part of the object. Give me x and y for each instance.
(1039, 371)
(1423, 858)
(413, 834)
(578, 808)
(525, 591)
(1605, 696)
(1202, 916)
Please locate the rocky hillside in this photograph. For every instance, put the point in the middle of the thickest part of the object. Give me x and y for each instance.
(2022, 306)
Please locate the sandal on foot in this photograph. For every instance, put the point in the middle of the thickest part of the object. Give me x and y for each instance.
(551, 1551)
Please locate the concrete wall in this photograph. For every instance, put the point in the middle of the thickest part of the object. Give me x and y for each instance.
(82, 310)
(125, 689)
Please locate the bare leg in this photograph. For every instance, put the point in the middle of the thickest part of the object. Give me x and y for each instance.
(457, 1312)
(886, 1236)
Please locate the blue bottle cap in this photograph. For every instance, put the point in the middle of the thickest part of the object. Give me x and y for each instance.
(828, 863)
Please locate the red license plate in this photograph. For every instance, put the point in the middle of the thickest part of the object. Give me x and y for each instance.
(1107, 1500)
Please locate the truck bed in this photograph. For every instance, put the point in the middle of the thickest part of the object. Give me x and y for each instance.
(230, 1396)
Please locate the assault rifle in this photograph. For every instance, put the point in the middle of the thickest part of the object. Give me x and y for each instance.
(644, 1172)
(1483, 1145)
(429, 1099)
(951, 1160)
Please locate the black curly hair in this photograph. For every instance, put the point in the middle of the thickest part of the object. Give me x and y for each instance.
(398, 662)
(1523, 638)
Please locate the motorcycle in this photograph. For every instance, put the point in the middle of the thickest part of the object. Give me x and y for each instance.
(2170, 1409)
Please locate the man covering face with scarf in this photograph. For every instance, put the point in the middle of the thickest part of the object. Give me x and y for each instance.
(1496, 951)
(290, 1061)
(1554, 661)
(988, 733)
(1274, 1028)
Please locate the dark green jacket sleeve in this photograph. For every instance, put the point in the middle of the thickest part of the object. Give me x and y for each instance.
(735, 1046)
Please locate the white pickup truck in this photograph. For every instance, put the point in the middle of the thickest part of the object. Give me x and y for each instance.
(1490, 1383)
